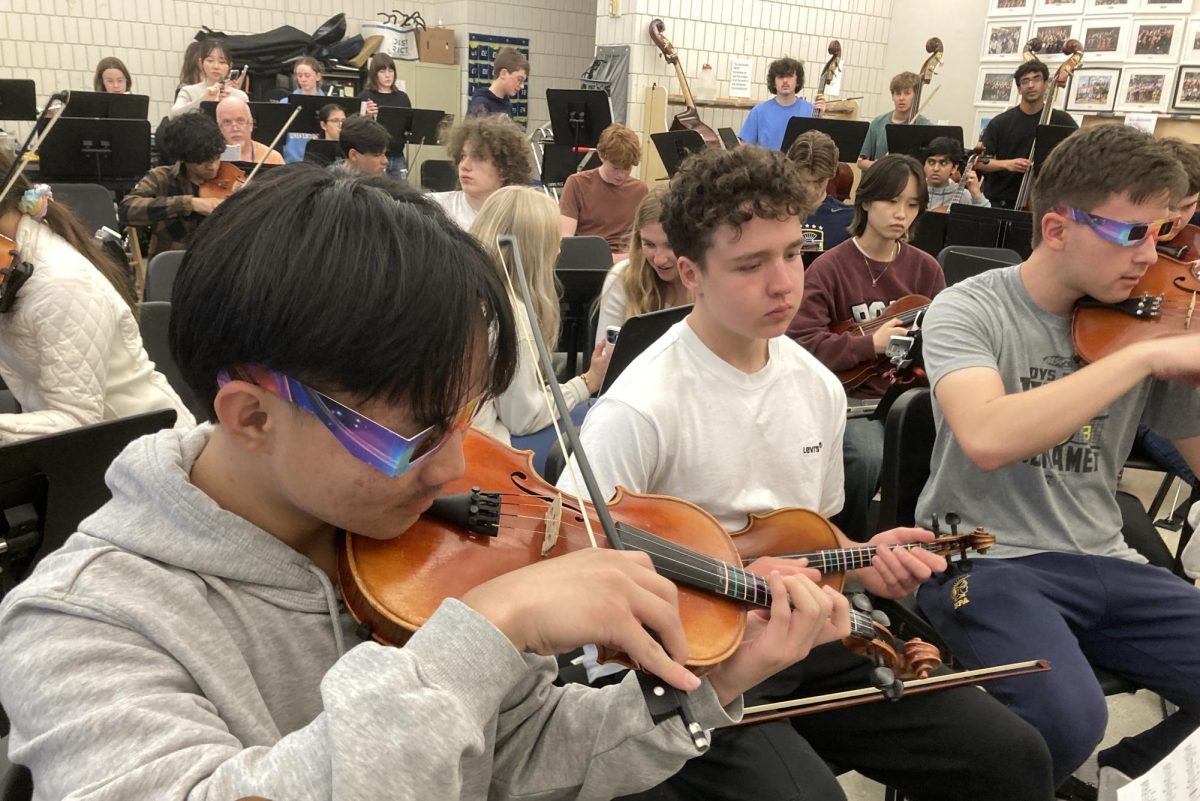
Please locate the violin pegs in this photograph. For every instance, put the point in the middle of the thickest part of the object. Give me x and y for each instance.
(952, 520)
(880, 617)
(934, 525)
(884, 679)
(862, 603)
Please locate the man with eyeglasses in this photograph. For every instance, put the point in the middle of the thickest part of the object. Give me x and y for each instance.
(237, 125)
(1008, 138)
(1029, 444)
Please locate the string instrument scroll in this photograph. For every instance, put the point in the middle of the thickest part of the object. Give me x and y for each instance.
(1074, 52)
(936, 51)
(689, 118)
(843, 180)
(13, 271)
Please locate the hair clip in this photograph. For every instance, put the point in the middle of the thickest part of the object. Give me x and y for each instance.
(36, 201)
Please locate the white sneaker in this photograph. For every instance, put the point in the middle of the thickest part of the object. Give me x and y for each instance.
(1111, 780)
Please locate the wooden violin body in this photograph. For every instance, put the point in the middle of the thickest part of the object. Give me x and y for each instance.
(906, 309)
(1165, 302)
(229, 179)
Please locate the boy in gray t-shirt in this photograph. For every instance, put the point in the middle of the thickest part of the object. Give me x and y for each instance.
(1029, 444)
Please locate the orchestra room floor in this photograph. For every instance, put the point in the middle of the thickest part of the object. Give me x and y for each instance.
(1127, 714)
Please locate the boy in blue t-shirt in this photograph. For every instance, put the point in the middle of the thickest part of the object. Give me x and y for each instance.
(768, 121)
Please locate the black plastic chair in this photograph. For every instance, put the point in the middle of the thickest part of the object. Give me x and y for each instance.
(439, 175)
(155, 321)
(160, 275)
(960, 262)
(92, 205)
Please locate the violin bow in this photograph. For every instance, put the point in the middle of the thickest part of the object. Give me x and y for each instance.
(271, 146)
(29, 148)
(662, 699)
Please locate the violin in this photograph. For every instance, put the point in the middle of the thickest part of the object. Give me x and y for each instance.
(1074, 52)
(469, 537)
(906, 309)
(689, 118)
(936, 51)
(1163, 303)
(842, 181)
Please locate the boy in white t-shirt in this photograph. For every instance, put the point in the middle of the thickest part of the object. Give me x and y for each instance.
(727, 413)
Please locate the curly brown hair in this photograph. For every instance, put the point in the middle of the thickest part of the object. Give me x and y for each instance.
(785, 66)
(729, 187)
(495, 138)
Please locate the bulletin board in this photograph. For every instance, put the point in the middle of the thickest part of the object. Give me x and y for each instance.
(482, 50)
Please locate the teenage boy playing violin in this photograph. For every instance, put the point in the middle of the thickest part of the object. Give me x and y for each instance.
(728, 413)
(1030, 443)
(190, 641)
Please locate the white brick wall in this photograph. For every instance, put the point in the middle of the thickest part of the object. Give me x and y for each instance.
(758, 29)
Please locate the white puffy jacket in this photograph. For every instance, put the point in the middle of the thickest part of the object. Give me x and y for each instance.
(70, 348)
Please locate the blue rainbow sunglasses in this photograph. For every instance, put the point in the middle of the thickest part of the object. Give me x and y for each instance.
(372, 443)
(1125, 234)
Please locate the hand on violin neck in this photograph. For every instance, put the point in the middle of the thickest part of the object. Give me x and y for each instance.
(803, 615)
(896, 572)
(614, 599)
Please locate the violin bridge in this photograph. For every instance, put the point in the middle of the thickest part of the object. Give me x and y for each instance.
(553, 520)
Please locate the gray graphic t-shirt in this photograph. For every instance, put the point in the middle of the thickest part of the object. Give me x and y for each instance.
(1062, 499)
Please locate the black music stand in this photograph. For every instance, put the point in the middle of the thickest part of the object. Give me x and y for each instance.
(559, 162)
(410, 126)
(106, 105)
(322, 152)
(102, 151)
(18, 99)
(848, 135)
(308, 122)
(990, 227)
(675, 146)
(269, 118)
(929, 233)
(578, 116)
(1046, 139)
(912, 140)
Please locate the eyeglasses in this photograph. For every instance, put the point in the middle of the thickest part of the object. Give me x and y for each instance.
(1031, 80)
(235, 123)
(1125, 234)
(372, 443)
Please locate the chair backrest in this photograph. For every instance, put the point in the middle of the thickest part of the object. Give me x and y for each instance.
(155, 322)
(908, 436)
(584, 253)
(92, 205)
(960, 262)
(160, 275)
(439, 175)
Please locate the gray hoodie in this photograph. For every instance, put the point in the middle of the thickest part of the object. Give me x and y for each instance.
(173, 650)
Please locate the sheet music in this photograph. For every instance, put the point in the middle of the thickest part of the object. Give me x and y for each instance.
(1175, 778)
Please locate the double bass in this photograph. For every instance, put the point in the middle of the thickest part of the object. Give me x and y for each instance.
(1074, 52)
(843, 180)
(936, 51)
(689, 118)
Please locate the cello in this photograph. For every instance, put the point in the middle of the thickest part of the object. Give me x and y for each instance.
(936, 51)
(1074, 52)
(689, 118)
(843, 180)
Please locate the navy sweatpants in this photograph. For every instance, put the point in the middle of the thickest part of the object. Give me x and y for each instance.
(1076, 611)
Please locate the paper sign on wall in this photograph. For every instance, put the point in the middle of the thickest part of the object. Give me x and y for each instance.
(1143, 121)
(739, 77)
(834, 87)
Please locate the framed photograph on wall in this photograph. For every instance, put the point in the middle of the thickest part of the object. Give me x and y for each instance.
(1093, 89)
(1155, 39)
(983, 116)
(995, 87)
(1059, 7)
(1105, 38)
(1003, 40)
(1093, 7)
(1010, 8)
(1164, 6)
(1187, 88)
(1189, 52)
(1054, 33)
(1145, 89)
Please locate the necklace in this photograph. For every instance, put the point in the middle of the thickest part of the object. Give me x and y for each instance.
(867, 262)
